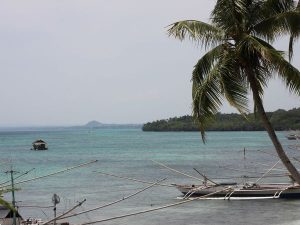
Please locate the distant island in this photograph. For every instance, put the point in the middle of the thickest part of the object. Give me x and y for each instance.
(281, 120)
(95, 124)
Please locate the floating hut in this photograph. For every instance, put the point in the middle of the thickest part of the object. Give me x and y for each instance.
(6, 216)
(39, 145)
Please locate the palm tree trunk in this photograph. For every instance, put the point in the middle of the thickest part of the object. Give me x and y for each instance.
(269, 128)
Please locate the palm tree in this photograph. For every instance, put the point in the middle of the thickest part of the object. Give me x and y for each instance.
(241, 59)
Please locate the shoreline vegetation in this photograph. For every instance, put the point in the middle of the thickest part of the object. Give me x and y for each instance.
(281, 120)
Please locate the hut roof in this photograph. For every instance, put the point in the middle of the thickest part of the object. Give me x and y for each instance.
(40, 141)
(7, 213)
(3, 212)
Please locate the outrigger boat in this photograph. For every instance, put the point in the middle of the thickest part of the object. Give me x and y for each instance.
(231, 190)
(245, 190)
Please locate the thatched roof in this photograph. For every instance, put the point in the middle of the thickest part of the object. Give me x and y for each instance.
(39, 142)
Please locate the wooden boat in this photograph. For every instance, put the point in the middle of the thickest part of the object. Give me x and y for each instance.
(292, 137)
(254, 190)
(228, 190)
(39, 145)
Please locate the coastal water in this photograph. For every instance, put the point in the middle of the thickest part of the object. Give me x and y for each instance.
(128, 152)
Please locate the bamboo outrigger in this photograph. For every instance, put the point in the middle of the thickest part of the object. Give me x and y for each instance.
(246, 190)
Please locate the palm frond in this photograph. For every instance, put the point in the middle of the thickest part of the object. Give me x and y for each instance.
(233, 11)
(274, 61)
(289, 74)
(207, 96)
(6, 204)
(207, 62)
(235, 88)
(291, 46)
(200, 32)
(293, 36)
(257, 56)
(252, 46)
(277, 25)
(271, 7)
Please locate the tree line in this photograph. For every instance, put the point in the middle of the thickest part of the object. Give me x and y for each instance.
(280, 119)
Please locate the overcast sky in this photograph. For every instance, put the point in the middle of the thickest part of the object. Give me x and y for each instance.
(66, 62)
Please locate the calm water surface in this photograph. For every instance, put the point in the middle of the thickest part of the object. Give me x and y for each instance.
(128, 152)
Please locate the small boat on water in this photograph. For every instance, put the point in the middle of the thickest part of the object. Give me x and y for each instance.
(293, 135)
(228, 190)
(39, 145)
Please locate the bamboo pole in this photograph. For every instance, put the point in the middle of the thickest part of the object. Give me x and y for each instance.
(133, 179)
(35, 206)
(114, 202)
(205, 177)
(246, 171)
(263, 164)
(23, 174)
(267, 171)
(172, 185)
(70, 210)
(51, 174)
(294, 158)
(155, 209)
(176, 171)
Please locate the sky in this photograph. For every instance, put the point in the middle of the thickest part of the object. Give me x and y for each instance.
(66, 62)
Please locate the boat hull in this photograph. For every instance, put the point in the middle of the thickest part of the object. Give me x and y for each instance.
(267, 191)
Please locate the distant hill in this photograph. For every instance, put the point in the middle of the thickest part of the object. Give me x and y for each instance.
(94, 123)
(280, 119)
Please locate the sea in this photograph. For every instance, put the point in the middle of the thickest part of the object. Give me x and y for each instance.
(129, 152)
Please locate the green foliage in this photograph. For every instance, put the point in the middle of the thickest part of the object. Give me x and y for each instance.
(281, 120)
(5, 203)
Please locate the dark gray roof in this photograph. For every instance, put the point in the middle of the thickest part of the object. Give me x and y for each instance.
(4, 212)
(39, 142)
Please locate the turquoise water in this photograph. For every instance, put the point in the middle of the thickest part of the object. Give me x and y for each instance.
(128, 152)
